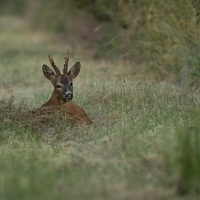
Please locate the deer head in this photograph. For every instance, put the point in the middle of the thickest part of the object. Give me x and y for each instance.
(62, 83)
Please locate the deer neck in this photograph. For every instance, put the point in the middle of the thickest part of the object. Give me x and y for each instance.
(54, 100)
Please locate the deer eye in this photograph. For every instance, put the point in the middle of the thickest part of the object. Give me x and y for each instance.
(58, 86)
(71, 84)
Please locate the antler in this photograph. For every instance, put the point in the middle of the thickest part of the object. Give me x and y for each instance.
(54, 66)
(65, 69)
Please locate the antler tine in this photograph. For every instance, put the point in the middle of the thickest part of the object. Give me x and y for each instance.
(65, 69)
(54, 66)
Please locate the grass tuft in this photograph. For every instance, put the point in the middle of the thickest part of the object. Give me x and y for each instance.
(188, 157)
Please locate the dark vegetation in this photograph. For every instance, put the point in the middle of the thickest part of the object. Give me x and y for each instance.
(162, 37)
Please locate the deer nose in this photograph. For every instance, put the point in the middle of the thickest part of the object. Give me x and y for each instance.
(68, 96)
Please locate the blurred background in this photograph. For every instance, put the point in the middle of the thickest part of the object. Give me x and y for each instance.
(160, 37)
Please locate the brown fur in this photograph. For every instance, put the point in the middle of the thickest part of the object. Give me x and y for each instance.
(75, 112)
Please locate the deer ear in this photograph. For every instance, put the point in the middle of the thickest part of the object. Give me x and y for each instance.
(74, 71)
(48, 73)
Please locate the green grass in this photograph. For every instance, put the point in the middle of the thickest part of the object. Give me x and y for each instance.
(161, 35)
(143, 143)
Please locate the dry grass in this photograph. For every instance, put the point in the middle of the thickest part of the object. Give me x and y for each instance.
(130, 151)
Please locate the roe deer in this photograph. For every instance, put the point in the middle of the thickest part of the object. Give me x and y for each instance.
(61, 98)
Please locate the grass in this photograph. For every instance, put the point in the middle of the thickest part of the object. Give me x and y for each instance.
(143, 143)
(160, 36)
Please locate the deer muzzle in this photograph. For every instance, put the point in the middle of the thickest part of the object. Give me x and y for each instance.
(68, 97)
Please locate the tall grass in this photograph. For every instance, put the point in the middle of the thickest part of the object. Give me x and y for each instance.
(188, 156)
(143, 142)
(133, 143)
(161, 36)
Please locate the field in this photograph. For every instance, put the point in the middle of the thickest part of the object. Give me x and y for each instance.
(143, 144)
